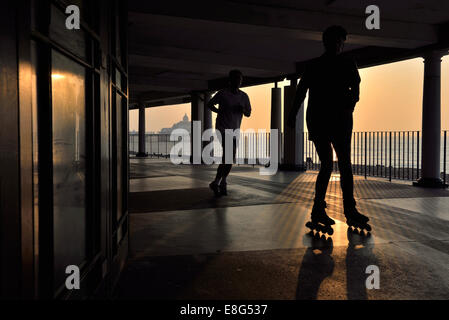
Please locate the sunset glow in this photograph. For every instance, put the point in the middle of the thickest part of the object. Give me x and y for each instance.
(390, 99)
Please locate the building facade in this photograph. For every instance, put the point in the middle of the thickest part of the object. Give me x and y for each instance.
(63, 140)
(184, 124)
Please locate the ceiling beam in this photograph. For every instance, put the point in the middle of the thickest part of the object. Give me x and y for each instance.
(194, 66)
(139, 83)
(156, 87)
(257, 20)
(162, 102)
(137, 97)
(212, 57)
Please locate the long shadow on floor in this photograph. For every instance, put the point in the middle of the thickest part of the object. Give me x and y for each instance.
(317, 264)
(359, 256)
(191, 199)
(158, 278)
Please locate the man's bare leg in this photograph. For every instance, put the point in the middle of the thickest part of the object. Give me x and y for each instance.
(223, 183)
(214, 185)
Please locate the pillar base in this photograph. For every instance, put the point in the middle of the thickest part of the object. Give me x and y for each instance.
(430, 183)
(292, 167)
(191, 161)
(141, 155)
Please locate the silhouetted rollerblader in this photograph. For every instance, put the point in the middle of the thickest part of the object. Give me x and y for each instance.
(333, 84)
(233, 103)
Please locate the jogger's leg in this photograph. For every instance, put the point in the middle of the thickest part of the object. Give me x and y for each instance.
(226, 170)
(228, 166)
(220, 173)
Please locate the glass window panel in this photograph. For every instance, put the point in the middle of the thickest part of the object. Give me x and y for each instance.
(118, 78)
(118, 38)
(69, 164)
(73, 40)
(34, 63)
(119, 156)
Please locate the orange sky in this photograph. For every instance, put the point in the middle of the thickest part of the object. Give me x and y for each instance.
(390, 99)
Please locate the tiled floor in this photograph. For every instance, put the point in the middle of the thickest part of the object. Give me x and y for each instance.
(435, 207)
(253, 244)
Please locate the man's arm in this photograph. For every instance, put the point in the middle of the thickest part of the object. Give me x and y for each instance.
(355, 85)
(247, 107)
(300, 95)
(212, 102)
(355, 90)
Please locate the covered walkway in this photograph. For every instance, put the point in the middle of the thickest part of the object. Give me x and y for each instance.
(186, 244)
(65, 96)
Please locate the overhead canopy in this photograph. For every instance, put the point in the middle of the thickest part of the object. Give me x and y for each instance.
(176, 47)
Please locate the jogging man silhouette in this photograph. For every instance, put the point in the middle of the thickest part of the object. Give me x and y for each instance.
(333, 85)
(233, 104)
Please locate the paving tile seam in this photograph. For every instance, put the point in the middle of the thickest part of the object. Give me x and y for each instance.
(399, 225)
(218, 207)
(139, 256)
(429, 249)
(238, 179)
(423, 244)
(336, 208)
(406, 212)
(150, 177)
(276, 200)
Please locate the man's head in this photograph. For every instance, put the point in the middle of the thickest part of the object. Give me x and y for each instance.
(235, 79)
(333, 39)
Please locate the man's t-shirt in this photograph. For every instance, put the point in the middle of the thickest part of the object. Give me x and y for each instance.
(329, 80)
(231, 108)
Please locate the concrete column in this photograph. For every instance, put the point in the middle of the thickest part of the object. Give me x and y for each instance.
(207, 112)
(207, 123)
(293, 138)
(431, 122)
(276, 116)
(198, 128)
(142, 151)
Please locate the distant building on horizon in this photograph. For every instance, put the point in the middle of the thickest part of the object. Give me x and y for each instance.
(184, 124)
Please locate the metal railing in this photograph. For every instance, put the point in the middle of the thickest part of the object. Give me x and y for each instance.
(386, 154)
(390, 155)
(156, 145)
(253, 148)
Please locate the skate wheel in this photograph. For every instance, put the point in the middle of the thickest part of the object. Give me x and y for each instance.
(310, 225)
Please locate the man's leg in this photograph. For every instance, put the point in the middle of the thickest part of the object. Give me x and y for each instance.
(226, 170)
(342, 146)
(214, 185)
(228, 166)
(220, 173)
(324, 149)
